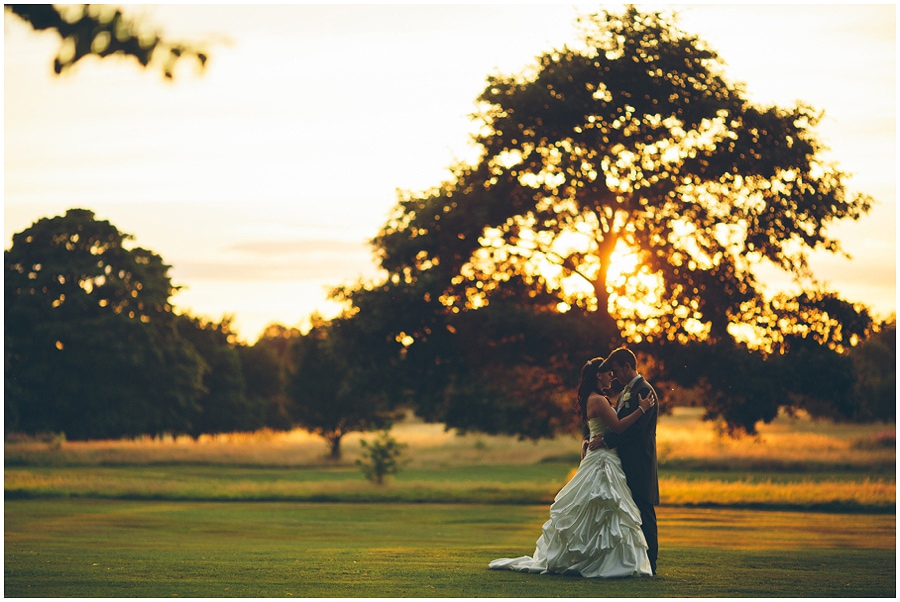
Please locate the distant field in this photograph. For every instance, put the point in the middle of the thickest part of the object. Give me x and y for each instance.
(800, 464)
(683, 442)
(497, 484)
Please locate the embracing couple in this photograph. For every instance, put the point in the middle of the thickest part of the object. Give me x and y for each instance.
(603, 521)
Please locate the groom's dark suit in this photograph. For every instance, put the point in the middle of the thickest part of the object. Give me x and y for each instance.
(637, 450)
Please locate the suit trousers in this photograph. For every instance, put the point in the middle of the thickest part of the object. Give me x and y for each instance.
(648, 526)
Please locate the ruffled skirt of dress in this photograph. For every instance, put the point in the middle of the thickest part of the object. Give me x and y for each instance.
(594, 528)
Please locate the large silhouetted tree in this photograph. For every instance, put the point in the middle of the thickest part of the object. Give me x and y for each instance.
(102, 31)
(91, 347)
(623, 179)
(632, 142)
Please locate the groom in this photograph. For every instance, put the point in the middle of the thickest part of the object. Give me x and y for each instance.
(637, 445)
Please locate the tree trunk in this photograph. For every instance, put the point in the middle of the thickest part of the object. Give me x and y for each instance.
(335, 441)
(608, 324)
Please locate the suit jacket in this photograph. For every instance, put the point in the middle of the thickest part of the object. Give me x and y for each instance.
(637, 447)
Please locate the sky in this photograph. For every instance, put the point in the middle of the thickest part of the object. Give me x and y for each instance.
(262, 179)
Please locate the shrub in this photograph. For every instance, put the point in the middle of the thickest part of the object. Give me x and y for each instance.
(382, 457)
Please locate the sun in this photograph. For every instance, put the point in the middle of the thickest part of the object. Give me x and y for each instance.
(623, 262)
(634, 290)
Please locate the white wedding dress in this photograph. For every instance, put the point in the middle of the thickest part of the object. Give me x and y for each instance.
(594, 528)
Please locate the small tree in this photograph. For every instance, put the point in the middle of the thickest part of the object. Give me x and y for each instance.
(382, 457)
(330, 387)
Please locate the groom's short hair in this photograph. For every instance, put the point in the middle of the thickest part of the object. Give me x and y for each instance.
(622, 357)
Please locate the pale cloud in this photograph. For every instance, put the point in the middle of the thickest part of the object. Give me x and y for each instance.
(335, 269)
(334, 262)
(298, 247)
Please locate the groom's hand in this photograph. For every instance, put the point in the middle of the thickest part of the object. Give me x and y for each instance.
(596, 443)
(650, 396)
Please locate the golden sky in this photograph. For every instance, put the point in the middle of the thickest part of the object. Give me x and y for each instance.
(261, 180)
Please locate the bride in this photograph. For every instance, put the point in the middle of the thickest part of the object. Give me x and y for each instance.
(595, 527)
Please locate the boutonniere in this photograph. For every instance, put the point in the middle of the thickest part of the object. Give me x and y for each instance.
(625, 397)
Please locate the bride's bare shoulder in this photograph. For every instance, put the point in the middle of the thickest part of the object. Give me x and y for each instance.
(595, 403)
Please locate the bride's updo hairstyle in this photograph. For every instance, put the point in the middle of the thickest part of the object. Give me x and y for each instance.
(587, 386)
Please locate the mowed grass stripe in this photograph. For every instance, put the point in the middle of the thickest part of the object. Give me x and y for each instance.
(103, 548)
(531, 484)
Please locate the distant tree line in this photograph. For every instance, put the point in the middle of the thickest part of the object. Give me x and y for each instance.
(93, 349)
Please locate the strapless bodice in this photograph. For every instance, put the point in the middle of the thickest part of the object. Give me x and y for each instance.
(597, 427)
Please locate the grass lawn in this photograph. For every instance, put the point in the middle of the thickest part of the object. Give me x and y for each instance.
(106, 548)
(266, 515)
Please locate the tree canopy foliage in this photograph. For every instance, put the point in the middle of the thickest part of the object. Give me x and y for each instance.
(224, 404)
(91, 347)
(626, 183)
(505, 369)
(875, 364)
(633, 145)
(265, 369)
(102, 31)
(333, 393)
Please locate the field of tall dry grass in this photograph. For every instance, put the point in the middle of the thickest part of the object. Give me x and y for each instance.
(795, 462)
(683, 441)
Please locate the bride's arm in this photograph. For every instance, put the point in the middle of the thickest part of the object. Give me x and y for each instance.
(610, 419)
